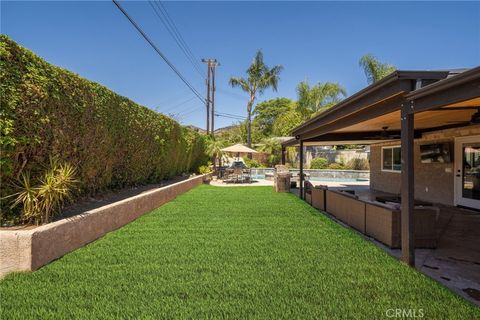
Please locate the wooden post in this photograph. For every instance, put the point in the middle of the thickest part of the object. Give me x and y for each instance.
(407, 185)
(300, 178)
(283, 155)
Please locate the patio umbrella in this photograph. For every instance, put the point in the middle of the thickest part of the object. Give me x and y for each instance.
(238, 148)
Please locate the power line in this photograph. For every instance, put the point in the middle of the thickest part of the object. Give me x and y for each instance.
(231, 116)
(188, 111)
(181, 111)
(180, 35)
(174, 97)
(178, 104)
(144, 35)
(169, 24)
(232, 94)
(196, 61)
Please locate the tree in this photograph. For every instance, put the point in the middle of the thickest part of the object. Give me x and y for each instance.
(319, 97)
(273, 147)
(286, 122)
(260, 77)
(268, 111)
(233, 134)
(214, 150)
(374, 69)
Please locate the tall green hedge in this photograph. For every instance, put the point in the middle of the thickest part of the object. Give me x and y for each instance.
(113, 142)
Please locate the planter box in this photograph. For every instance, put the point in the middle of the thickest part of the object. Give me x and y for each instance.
(347, 208)
(28, 250)
(384, 224)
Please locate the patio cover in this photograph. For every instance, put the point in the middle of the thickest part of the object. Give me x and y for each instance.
(439, 99)
(401, 107)
(238, 148)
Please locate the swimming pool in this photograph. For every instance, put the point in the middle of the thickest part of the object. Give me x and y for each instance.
(262, 177)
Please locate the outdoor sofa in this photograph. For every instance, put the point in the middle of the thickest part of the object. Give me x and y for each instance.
(345, 206)
(381, 221)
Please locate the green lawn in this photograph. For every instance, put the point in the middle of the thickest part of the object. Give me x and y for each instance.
(228, 253)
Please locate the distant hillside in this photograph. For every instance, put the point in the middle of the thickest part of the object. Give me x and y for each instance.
(224, 129)
(196, 129)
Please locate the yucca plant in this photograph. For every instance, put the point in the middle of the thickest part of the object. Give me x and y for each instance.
(42, 202)
(27, 197)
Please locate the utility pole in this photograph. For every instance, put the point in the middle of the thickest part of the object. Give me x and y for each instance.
(207, 102)
(211, 64)
(213, 96)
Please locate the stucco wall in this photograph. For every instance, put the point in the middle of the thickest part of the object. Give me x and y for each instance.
(434, 182)
(27, 250)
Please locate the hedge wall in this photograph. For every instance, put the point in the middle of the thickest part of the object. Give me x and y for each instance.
(113, 142)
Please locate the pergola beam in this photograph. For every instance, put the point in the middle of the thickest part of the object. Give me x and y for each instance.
(463, 92)
(381, 108)
(395, 83)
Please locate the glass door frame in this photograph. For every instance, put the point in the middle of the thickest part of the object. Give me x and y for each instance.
(459, 200)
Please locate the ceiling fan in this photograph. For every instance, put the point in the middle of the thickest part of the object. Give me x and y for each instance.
(385, 135)
(475, 117)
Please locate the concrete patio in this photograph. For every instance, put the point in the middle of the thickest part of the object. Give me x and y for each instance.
(455, 262)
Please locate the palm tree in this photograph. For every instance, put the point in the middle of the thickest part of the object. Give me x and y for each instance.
(319, 97)
(260, 77)
(214, 150)
(374, 69)
(273, 147)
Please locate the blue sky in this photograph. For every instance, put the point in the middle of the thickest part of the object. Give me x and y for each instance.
(317, 41)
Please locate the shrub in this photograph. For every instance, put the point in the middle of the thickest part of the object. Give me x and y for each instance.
(319, 163)
(252, 163)
(336, 166)
(204, 169)
(358, 164)
(43, 202)
(111, 141)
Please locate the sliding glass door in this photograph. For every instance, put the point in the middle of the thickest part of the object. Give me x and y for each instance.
(467, 175)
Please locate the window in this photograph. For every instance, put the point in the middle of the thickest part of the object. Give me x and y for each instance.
(391, 159)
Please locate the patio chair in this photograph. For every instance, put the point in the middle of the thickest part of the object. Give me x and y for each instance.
(229, 175)
(247, 175)
(238, 173)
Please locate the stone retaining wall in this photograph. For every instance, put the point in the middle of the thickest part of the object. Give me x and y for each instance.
(28, 250)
